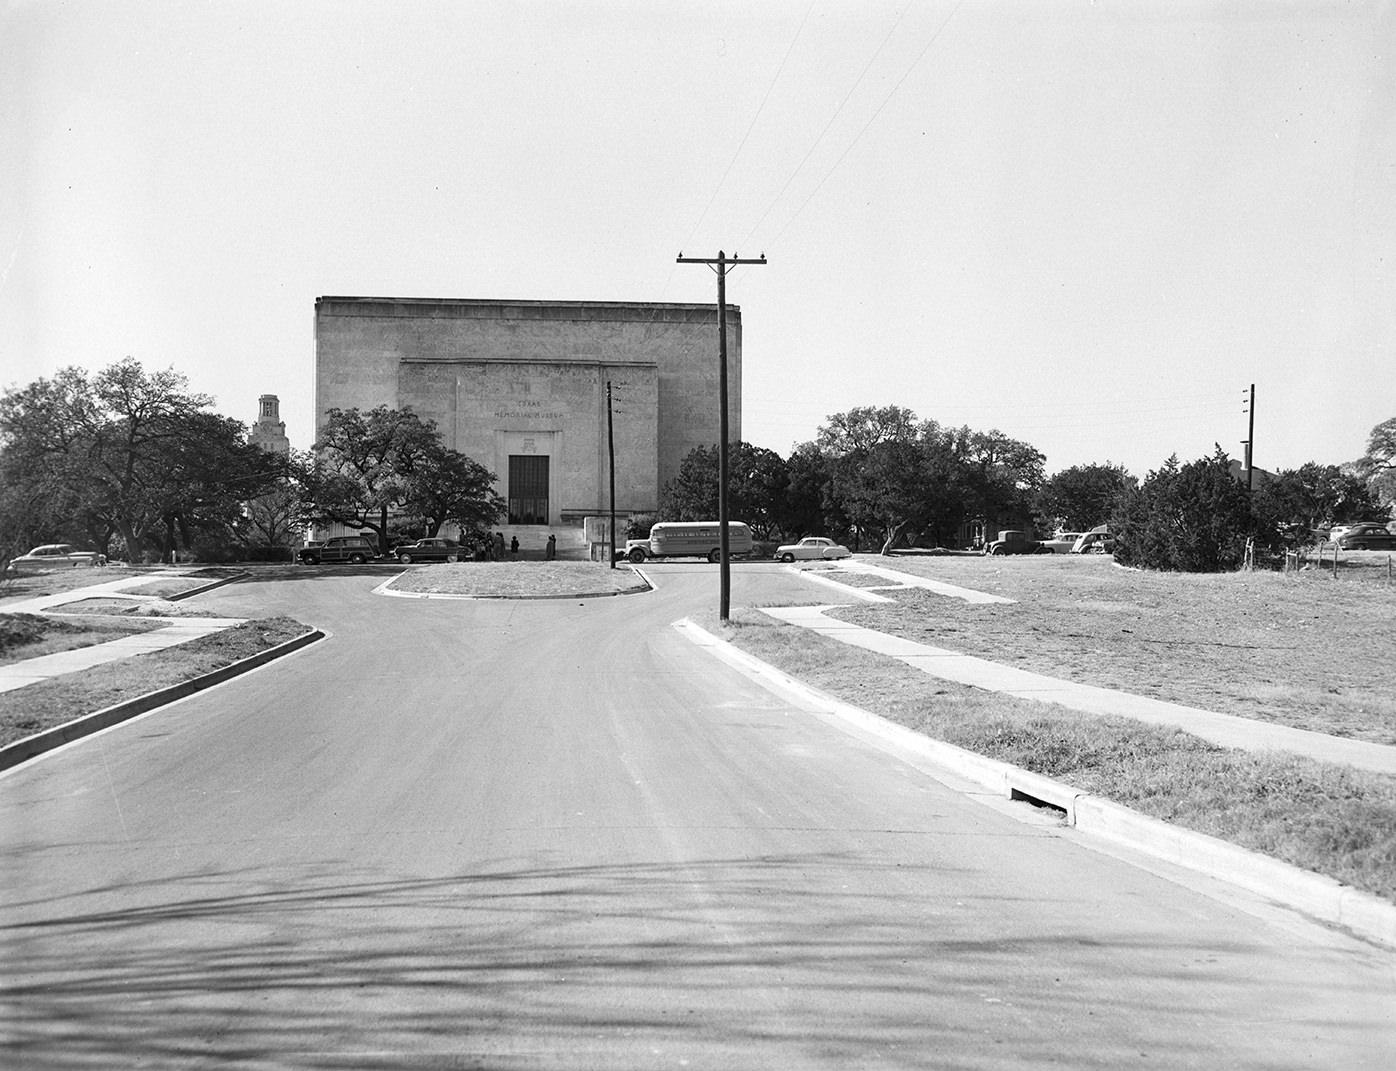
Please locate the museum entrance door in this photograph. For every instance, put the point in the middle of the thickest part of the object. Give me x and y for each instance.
(528, 489)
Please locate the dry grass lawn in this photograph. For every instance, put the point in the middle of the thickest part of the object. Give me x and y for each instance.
(24, 636)
(521, 579)
(1303, 650)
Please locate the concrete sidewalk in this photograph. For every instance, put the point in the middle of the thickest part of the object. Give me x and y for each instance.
(177, 630)
(1224, 729)
(41, 603)
(896, 581)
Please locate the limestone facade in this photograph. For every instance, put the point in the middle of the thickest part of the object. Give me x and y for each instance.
(511, 382)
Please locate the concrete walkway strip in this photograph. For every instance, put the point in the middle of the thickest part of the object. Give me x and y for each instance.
(1224, 729)
(897, 579)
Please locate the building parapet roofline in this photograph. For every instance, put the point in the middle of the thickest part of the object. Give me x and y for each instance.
(497, 309)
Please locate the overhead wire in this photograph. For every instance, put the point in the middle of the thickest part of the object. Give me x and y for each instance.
(872, 119)
(751, 126)
(837, 112)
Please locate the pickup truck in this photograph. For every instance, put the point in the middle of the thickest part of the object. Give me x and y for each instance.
(1014, 542)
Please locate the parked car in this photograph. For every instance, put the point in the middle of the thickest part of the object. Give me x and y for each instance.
(1097, 541)
(1336, 533)
(1015, 542)
(430, 550)
(1367, 537)
(55, 556)
(811, 548)
(1062, 542)
(309, 553)
(352, 549)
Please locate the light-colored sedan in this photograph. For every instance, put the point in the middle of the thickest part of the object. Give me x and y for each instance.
(1062, 542)
(811, 548)
(55, 556)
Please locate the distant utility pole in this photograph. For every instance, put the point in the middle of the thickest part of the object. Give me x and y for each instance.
(722, 264)
(1250, 440)
(611, 446)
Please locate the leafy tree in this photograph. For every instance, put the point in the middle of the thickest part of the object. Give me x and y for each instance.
(863, 427)
(1082, 496)
(890, 473)
(1193, 518)
(1294, 505)
(365, 465)
(757, 481)
(1378, 465)
(1000, 475)
(448, 486)
(127, 453)
(884, 488)
(810, 508)
(1381, 447)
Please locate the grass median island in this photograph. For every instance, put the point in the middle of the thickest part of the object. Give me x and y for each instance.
(521, 579)
(1323, 817)
(36, 707)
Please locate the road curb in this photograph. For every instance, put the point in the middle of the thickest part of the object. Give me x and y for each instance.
(1316, 895)
(12, 755)
(220, 582)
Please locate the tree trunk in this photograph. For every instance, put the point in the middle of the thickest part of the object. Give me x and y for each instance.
(894, 532)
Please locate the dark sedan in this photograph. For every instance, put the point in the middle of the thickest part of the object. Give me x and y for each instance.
(430, 550)
(1367, 537)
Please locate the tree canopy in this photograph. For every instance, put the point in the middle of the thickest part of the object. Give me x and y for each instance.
(368, 465)
(1082, 496)
(125, 453)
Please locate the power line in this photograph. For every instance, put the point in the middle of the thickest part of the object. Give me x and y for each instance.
(752, 126)
(837, 112)
(868, 124)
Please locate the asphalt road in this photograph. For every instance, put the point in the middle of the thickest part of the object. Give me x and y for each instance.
(496, 834)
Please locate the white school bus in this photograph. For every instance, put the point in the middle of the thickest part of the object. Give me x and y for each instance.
(689, 539)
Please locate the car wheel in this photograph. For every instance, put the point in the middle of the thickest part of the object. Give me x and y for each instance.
(714, 556)
(787, 557)
(357, 559)
(452, 557)
(636, 556)
(406, 559)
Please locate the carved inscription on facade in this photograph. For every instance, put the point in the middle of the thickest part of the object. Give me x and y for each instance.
(526, 409)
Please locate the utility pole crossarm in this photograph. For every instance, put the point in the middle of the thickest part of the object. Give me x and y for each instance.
(721, 260)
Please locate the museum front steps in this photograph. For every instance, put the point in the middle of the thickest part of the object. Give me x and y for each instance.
(533, 541)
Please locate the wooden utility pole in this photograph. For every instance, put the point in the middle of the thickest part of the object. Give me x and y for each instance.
(722, 264)
(611, 446)
(1250, 441)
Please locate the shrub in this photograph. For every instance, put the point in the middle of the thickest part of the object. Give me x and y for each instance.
(1193, 518)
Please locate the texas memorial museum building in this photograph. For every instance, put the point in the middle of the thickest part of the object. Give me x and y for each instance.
(520, 387)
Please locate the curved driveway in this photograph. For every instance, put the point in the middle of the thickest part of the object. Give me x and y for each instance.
(555, 834)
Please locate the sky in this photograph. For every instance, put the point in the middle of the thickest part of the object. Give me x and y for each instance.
(1089, 225)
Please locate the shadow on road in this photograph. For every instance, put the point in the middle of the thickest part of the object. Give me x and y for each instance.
(768, 960)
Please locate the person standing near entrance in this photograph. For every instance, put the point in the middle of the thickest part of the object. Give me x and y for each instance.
(551, 552)
(514, 547)
(499, 545)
